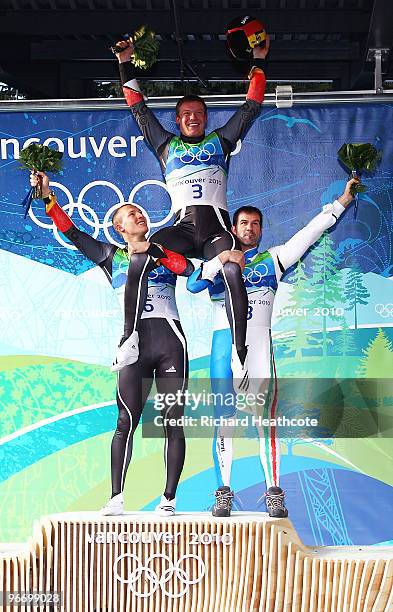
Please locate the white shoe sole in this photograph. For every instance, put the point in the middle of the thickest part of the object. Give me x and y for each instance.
(114, 507)
(162, 513)
(112, 512)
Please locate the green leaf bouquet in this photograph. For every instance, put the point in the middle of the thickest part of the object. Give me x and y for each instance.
(39, 158)
(359, 158)
(146, 47)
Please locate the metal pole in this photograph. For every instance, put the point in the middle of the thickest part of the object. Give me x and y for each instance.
(377, 55)
(378, 71)
(179, 39)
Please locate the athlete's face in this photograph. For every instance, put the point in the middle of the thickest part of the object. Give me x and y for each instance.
(192, 119)
(248, 230)
(131, 222)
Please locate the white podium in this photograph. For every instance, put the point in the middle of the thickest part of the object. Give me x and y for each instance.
(190, 563)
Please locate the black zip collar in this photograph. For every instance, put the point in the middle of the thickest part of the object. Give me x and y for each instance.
(192, 139)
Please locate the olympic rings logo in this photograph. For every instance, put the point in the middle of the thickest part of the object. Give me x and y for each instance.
(147, 574)
(384, 310)
(255, 275)
(194, 152)
(89, 215)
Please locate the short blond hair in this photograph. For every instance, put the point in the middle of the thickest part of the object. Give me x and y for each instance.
(116, 214)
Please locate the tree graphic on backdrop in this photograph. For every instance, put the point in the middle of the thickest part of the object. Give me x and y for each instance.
(326, 286)
(345, 344)
(297, 306)
(355, 292)
(378, 358)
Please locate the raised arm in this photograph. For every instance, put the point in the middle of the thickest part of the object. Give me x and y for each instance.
(239, 124)
(93, 249)
(151, 128)
(289, 253)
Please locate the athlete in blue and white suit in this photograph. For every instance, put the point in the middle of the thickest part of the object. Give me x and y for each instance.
(261, 275)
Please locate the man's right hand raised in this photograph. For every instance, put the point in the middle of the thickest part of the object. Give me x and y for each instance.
(126, 55)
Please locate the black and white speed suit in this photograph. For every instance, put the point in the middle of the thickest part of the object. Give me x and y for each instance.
(195, 170)
(162, 348)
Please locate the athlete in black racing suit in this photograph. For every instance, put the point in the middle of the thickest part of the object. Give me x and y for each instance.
(195, 168)
(163, 349)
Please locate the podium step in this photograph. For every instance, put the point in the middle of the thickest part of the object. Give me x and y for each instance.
(190, 563)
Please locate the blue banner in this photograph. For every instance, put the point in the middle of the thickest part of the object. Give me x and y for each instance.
(61, 322)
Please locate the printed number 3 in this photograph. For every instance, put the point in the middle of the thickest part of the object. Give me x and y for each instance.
(197, 191)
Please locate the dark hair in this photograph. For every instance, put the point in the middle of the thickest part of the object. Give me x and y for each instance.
(190, 98)
(247, 209)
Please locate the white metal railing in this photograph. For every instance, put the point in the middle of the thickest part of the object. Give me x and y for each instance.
(305, 98)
